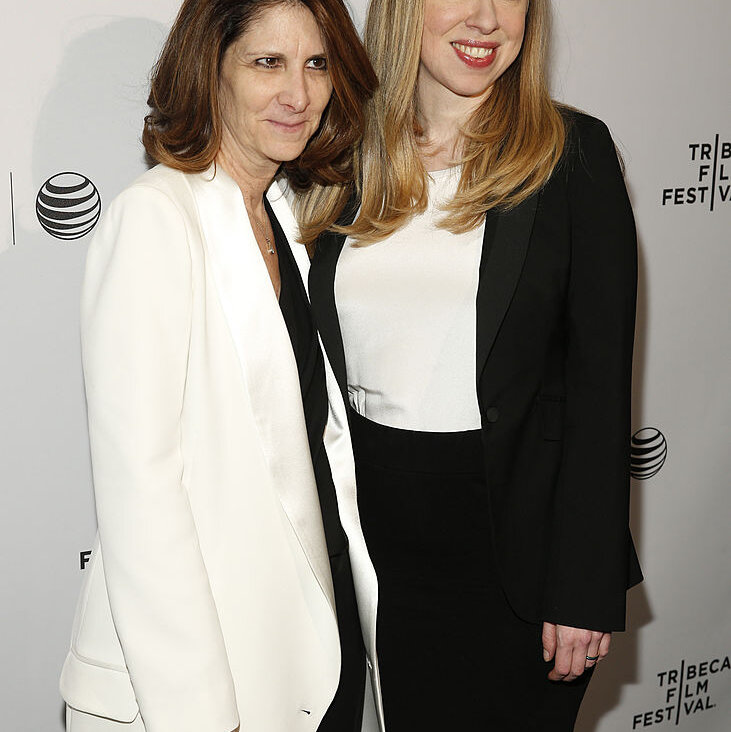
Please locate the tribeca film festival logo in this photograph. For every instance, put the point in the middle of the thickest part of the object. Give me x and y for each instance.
(712, 167)
(686, 692)
(68, 206)
(648, 452)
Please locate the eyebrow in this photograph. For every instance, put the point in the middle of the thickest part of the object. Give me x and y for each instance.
(269, 52)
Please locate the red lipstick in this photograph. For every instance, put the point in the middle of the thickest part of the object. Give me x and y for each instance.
(479, 60)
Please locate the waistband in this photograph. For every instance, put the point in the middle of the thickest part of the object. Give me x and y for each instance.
(394, 448)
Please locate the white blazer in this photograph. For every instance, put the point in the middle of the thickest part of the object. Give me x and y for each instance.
(208, 601)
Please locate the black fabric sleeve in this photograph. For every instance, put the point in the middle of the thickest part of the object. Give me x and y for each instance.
(590, 545)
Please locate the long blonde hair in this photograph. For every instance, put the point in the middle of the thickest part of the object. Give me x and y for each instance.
(511, 143)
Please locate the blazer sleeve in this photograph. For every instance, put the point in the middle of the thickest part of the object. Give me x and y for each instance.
(590, 552)
(136, 326)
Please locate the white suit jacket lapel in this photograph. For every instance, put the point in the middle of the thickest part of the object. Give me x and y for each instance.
(340, 454)
(265, 353)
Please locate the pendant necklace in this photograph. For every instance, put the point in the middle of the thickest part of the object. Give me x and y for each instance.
(260, 226)
(270, 246)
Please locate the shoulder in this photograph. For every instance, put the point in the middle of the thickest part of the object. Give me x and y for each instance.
(153, 216)
(591, 171)
(586, 136)
(578, 122)
(161, 199)
(154, 188)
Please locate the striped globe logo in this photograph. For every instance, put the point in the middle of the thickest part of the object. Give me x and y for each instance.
(68, 206)
(648, 453)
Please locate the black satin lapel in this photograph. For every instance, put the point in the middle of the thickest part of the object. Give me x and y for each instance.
(322, 295)
(322, 298)
(505, 244)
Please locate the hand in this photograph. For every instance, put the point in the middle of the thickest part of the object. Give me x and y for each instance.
(570, 648)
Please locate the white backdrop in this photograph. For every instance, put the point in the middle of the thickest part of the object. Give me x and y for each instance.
(657, 71)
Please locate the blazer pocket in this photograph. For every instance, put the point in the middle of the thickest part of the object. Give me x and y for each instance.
(552, 416)
(95, 689)
(94, 678)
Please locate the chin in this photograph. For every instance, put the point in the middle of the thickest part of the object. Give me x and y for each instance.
(287, 156)
(473, 88)
(285, 152)
(472, 92)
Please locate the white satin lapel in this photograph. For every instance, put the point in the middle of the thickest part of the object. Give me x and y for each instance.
(265, 353)
(283, 212)
(340, 455)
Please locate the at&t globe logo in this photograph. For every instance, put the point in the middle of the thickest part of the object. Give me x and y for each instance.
(648, 454)
(68, 206)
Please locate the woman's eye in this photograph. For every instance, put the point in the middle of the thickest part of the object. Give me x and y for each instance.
(269, 62)
(319, 63)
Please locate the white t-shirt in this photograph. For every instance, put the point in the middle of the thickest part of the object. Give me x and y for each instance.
(408, 319)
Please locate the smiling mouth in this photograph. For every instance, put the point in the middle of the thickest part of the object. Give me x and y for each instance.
(473, 51)
(288, 126)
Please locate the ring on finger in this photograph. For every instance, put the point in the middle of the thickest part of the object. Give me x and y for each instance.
(592, 658)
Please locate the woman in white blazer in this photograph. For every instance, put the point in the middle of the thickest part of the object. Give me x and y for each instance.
(219, 595)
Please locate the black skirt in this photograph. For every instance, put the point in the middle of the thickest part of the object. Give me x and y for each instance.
(452, 653)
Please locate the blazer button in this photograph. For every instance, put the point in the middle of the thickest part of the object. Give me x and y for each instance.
(492, 414)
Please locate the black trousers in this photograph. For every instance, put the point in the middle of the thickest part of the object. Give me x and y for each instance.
(452, 653)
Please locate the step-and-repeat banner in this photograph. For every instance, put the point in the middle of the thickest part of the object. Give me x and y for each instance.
(658, 72)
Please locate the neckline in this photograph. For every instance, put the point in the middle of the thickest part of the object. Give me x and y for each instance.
(438, 175)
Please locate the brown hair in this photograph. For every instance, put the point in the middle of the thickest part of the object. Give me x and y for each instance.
(511, 143)
(183, 129)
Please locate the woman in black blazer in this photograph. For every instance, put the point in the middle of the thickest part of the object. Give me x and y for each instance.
(477, 302)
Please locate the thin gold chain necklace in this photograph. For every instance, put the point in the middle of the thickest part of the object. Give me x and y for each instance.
(260, 226)
(270, 246)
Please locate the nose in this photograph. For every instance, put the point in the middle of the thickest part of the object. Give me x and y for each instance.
(483, 17)
(294, 93)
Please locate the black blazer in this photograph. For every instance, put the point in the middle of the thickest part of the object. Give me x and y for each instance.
(555, 325)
